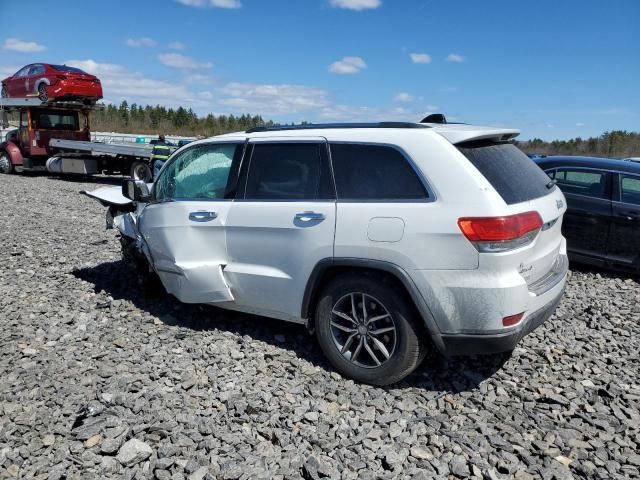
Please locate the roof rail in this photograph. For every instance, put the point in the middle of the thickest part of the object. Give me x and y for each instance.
(319, 126)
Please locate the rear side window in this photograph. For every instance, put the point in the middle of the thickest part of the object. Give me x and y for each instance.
(515, 176)
(630, 190)
(374, 172)
(288, 171)
(582, 182)
(55, 120)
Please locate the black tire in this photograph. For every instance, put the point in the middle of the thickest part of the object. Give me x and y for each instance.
(409, 342)
(6, 166)
(42, 92)
(141, 171)
(4, 93)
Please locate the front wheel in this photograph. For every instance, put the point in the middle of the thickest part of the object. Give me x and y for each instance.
(368, 330)
(42, 92)
(141, 171)
(5, 163)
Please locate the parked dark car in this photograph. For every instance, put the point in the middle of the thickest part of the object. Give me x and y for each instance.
(602, 223)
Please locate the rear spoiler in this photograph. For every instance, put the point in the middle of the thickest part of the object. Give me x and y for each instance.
(467, 133)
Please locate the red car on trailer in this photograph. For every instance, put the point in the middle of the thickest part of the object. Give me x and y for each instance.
(52, 82)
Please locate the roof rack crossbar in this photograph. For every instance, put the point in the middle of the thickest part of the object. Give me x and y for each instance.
(324, 126)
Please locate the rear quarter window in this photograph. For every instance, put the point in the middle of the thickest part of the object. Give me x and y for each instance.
(512, 174)
(374, 172)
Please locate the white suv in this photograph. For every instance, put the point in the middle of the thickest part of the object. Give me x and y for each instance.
(385, 238)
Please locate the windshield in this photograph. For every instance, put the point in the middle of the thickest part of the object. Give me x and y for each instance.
(515, 176)
(64, 68)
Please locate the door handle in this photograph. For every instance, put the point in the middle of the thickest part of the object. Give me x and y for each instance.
(308, 216)
(202, 216)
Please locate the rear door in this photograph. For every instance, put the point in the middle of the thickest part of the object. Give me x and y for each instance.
(588, 218)
(183, 226)
(281, 225)
(624, 241)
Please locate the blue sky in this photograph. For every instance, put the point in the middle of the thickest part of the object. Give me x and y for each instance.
(553, 68)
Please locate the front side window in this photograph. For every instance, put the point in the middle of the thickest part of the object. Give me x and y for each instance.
(199, 173)
(374, 172)
(288, 171)
(53, 120)
(630, 189)
(582, 182)
(23, 72)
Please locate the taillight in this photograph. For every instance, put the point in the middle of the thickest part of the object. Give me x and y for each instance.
(499, 234)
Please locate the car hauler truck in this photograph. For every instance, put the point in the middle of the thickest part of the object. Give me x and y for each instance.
(56, 137)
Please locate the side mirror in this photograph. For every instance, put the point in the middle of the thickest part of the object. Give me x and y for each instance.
(136, 190)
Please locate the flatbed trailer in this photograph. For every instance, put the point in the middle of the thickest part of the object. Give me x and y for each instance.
(56, 137)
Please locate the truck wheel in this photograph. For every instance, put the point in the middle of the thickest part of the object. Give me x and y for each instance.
(141, 171)
(5, 163)
(42, 92)
(368, 330)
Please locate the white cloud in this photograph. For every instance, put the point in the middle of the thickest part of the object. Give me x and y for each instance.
(177, 60)
(200, 79)
(356, 5)
(348, 66)
(211, 3)
(176, 46)
(579, 124)
(141, 42)
(121, 83)
(402, 97)
(455, 58)
(272, 99)
(21, 46)
(420, 57)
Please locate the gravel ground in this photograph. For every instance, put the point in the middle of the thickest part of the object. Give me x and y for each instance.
(102, 380)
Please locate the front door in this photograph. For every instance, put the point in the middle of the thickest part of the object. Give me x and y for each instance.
(588, 218)
(624, 241)
(281, 225)
(184, 225)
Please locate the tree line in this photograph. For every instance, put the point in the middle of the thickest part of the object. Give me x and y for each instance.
(616, 144)
(158, 119)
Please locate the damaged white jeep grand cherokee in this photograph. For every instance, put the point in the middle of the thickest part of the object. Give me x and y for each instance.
(385, 238)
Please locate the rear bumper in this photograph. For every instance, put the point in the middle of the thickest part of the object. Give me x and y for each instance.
(462, 344)
(68, 88)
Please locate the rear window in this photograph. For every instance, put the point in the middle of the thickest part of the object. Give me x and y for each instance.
(64, 68)
(49, 120)
(515, 176)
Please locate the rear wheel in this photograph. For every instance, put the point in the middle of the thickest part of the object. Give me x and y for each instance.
(368, 330)
(42, 92)
(5, 163)
(141, 171)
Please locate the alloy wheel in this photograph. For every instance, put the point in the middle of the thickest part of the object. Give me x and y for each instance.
(363, 330)
(42, 92)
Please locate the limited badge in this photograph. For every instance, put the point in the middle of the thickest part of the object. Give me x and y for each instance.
(559, 204)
